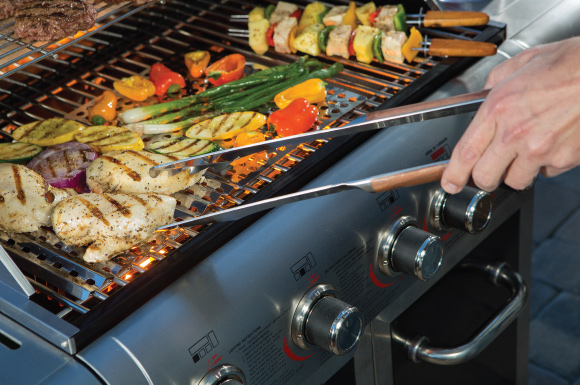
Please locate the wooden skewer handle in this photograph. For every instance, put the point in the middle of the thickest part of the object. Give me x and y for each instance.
(409, 178)
(453, 47)
(454, 19)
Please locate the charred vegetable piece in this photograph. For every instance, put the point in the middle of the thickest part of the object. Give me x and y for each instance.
(297, 118)
(227, 69)
(183, 147)
(307, 41)
(226, 126)
(196, 62)
(135, 88)
(18, 152)
(414, 41)
(258, 35)
(363, 43)
(64, 165)
(48, 132)
(364, 11)
(313, 90)
(165, 80)
(323, 37)
(109, 138)
(311, 14)
(104, 109)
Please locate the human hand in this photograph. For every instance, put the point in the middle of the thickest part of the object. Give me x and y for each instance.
(528, 124)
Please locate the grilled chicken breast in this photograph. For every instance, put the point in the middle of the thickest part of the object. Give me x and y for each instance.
(385, 19)
(391, 45)
(127, 171)
(338, 41)
(110, 223)
(282, 34)
(26, 200)
(283, 9)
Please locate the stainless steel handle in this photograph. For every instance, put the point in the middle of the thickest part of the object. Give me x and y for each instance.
(419, 349)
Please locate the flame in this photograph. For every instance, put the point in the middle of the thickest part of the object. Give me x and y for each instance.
(146, 262)
(127, 277)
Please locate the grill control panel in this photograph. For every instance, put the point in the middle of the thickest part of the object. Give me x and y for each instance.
(407, 249)
(224, 375)
(469, 210)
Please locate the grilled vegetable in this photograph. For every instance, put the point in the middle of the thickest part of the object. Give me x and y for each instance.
(297, 118)
(183, 147)
(230, 67)
(249, 137)
(377, 47)
(18, 152)
(323, 37)
(307, 40)
(166, 81)
(104, 109)
(400, 19)
(350, 15)
(257, 13)
(258, 31)
(226, 126)
(268, 11)
(48, 132)
(313, 90)
(135, 88)
(363, 43)
(109, 138)
(64, 165)
(196, 62)
(311, 15)
(414, 41)
(363, 12)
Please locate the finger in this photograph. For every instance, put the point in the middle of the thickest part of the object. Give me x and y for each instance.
(521, 174)
(490, 170)
(467, 152)
(551, 172)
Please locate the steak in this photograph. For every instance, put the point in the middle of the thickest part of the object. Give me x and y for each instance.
(137, 2)
(8, 7)
(47, 20)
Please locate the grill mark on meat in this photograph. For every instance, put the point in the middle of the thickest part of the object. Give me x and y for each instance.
(94, 210)
(142, 201)
(2, 199)
(131, 173)
(49, 197)
(121, 208)
(143, 157)
(18, 184)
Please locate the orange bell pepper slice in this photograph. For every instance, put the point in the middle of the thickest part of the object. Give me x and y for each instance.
(104, 109)
(313, 90)
(196, 62)
(227, 69)
(135, 88)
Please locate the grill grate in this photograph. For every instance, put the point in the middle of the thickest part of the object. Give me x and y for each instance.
(65, 81)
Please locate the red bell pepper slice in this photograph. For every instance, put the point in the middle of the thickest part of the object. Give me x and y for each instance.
(270, 34)
(297, 14)
(163, 78)
(351, 44)
(373, 15)
(296, 118)
(227, 69)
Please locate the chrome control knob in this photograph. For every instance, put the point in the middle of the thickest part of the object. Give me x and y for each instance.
(323, 320)
(468, 210)
(407, 249)
(224, 375)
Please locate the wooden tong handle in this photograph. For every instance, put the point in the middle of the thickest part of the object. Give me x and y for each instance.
(454, 19)
(455, 47)
(408, 178)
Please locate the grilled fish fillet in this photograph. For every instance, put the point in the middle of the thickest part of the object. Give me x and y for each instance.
(127, 171)
(110, 223)
(338, 41)
(392, 45)
(26, 200)
(282, 33)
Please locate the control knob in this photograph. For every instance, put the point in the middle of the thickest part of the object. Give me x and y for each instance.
(322, 320)
(407, 249)
(468, 210)
(224, 375)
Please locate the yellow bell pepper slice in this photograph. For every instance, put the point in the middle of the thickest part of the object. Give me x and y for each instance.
(414, 41)
(196, 62)
(105, 108)
(135, 88)
(313, 90)
(349, 17)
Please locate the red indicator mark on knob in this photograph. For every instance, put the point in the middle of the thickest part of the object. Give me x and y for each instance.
(291, 354)
(376, 280)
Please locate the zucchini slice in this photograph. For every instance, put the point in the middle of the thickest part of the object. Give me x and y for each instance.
(226, 126)
(48, 132)
(18, 152)
(183, 147)
(109, 138)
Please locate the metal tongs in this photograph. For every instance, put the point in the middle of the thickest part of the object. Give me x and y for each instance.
(372, 121)
(375, 120)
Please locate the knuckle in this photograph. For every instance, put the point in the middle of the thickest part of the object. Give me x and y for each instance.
(484, 180)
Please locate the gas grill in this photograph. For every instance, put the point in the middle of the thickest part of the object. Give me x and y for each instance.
(219, 303)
